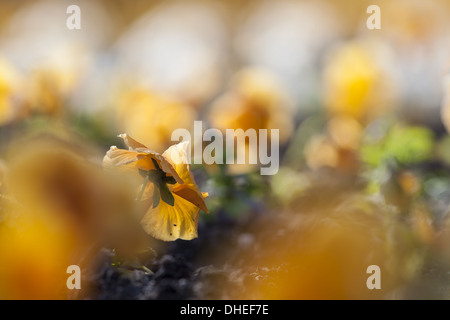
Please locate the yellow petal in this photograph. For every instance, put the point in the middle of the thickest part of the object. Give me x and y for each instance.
(177, 155)
(193, 196)
(119, 157)
(147, 163)
(168, 223)
(124, 159)
(167, 167)
(138, 157)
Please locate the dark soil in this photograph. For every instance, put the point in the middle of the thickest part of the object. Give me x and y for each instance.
(203, 268)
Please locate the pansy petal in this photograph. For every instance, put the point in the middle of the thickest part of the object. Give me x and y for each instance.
(119, 157)
(167, 167)
(177, 155)
(146, 163)
(131, 143)
(193, 196)
(168, 223)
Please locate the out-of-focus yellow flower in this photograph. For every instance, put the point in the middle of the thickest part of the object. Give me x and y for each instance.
(358, 82)
(38, 240)
(326, 256)
(337, 148)
(54, 78)
(9, 82)
(410, 23)
(346, 132)
(358, 88)
(152, 118)
(409, 182)
(52, 174)
(49, 89)
(57, 209)
(172, 197)
(35, 253)
(255, 101)
(319, 152)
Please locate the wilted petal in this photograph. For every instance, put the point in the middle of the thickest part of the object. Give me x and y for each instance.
(145, 155)
(131, 143)
(119, 157)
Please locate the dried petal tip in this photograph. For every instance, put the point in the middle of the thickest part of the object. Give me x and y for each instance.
(131, 143)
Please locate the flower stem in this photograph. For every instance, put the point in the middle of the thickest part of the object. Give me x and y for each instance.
(141, 192)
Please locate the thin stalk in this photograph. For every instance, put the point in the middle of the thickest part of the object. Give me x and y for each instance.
(141, 192)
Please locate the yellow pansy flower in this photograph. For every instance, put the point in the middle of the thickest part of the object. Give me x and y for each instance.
(35, 251)
(151, 117)
(358, 81)
(172, 198)
(255, 100)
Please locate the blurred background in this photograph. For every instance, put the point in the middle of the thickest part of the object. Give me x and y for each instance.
(364, 174)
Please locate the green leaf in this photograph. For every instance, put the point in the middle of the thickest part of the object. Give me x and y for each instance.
(169, 180)
(166, 195)
(404, 145)
(156, 196)
(155, 163)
